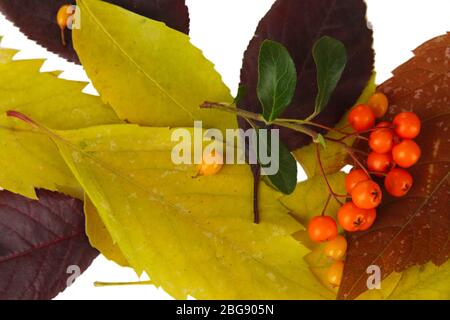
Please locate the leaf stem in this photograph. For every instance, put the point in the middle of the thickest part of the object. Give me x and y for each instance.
(113, 284)
(313, 124)
(327, 202)
(257, 117)
(330, 189)
(256, 181)
(353, 156)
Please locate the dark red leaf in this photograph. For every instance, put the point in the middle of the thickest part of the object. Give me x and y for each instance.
(298, 24)
(415, 229)
(39, 240)
(37, 19)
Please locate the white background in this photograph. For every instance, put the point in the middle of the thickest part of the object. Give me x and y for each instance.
(222, 29)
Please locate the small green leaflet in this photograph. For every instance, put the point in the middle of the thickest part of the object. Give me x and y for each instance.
(277, 79)
(285, 180)
(330, 57)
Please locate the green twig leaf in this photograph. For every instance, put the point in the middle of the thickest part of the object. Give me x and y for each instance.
(277, 79)
(285, 179)
(330, 57)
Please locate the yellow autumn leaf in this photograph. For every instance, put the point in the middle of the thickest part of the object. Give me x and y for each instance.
(193, 236)
(427, 282)
(148, 72)
(99, 236)
(29, 159)
(310, 196)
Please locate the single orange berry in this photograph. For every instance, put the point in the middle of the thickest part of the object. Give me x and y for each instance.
(336, 249)
(398, 182)
(379, 162)
(406, 153)
(211, 164)
(384, 124)
(335, 272)
(371, 216)
(366, 195)
(407, 125)
(352, 219)
(353, 178)
(62, 19)
(381, 140)
(361, 118)
(322, 228)
(379, 104)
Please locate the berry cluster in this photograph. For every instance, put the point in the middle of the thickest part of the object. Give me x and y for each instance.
(392, 151)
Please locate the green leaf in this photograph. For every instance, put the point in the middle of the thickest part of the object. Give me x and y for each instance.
(193, 236)
(330, 57)
(149, 73)
(285, 180)
(29, 159)
(277, 79)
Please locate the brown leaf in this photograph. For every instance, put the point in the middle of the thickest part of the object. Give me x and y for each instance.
(298, 24)
(37, 19)
(415, 229)
(39, 240)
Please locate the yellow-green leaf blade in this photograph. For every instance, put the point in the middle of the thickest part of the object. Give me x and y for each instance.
(310, 196)
(99, 236)
(193, 236)
(149, 73)
(427, 282)
(29, 159)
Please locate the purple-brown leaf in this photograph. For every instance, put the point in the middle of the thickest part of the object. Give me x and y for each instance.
(415, 229)
(37, 19)
(39, 241)
(298, 24)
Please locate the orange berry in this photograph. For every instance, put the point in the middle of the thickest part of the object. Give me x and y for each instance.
(406, 153)
(336, 249)
(322, 228)
(384, 124)
(407, 125)
(62, 19)
(211, 165)
(379, 162)
(398, 182)
(379, 104)
(351, 218)
(366, 195)
(371, 216)
(354, 177)
(335, 272)
(381, 140)
(361, 118)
